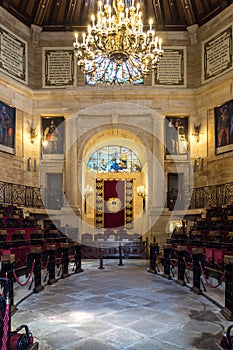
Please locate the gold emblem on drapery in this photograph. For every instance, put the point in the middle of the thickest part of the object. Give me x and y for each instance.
(114, 205)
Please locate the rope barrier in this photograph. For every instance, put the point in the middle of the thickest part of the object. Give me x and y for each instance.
(173, 262)
(59, 260)
(46, 264)
(135, 250)
(206, 280)
(189, 266)
(89, 256)
(30, 275)
(5, 327)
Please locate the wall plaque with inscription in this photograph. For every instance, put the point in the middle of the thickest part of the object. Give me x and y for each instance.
(171, 69)
(13, 55)
(217, 55)
(58, 68)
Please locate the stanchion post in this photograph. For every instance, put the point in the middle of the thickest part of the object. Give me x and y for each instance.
(120, 256)
(7, 272)
(181, 253)
(166, 263)
(35, 255)
(101, 266)
(78, 258)
(50, 251)
(153, 255)
(65, 260)
(227, 311)
(198, 256)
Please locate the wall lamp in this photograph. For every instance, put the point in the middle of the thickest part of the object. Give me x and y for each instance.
(198, 164)
(32, 132)
(88, 191)
(197, 132)
(142, 193)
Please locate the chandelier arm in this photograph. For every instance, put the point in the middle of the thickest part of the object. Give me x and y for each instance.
(116, 49)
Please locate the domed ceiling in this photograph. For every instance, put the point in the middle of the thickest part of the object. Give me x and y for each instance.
(70, 15)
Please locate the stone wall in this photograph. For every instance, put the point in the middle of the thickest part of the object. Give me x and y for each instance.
(196, 101)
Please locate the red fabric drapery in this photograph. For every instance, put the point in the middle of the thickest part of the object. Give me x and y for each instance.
(114, 203)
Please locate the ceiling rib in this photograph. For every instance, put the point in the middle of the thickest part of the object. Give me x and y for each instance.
(189, 12)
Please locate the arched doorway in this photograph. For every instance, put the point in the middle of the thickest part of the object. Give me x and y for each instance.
(114, 166)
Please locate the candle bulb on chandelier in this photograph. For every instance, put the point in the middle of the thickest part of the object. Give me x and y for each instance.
(93, 20)
(127, 23)
(160, 44)
(150, 23)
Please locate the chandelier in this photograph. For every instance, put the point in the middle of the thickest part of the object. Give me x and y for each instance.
(115, 49)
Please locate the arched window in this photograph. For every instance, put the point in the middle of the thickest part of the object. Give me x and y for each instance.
(114, 159)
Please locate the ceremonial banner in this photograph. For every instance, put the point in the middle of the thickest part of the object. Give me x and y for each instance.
(114, 203)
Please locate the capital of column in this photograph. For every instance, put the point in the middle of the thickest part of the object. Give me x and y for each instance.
(192, 30)
(36, 30)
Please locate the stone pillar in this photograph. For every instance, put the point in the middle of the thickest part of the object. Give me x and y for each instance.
(35, 30)
(227, 311)
(198, 256)
(181, 253)
(71, 176)
(192, 30)
(167, 264)
(156, 176)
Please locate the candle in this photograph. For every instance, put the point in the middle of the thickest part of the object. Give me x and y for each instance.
(160, 44)
(93, 20)
(150, 22)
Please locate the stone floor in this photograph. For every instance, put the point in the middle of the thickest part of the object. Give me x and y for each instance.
(120, 307)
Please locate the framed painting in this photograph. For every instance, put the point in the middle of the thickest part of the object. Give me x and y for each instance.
(53, 135)
(7, 128)
(223, 123)
(176, 136)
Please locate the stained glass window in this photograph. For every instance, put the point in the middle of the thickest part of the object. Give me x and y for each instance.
(114, 159)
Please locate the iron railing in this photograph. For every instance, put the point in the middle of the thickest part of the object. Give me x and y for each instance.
(201, 197)
(28, 196)
(35, 197)
(214, 195)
